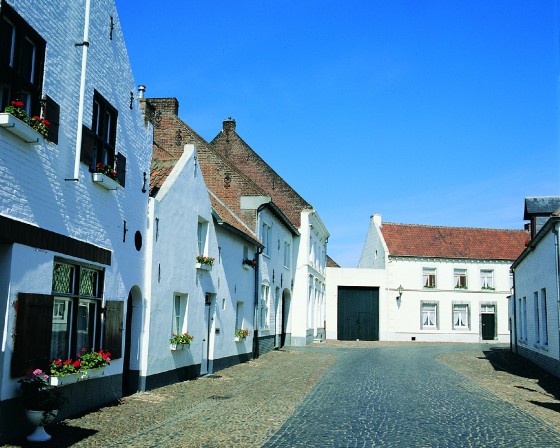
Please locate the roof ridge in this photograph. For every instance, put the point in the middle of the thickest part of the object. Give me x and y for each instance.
(450, 227)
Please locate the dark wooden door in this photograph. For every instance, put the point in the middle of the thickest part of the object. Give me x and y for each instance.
(358, 313)
(488, 326)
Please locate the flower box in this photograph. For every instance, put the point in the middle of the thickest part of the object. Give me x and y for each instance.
(105, 181)
(65, 379)
(93, 373)
(238, 339)
(175, 347)
(19, 128)
(203, 267)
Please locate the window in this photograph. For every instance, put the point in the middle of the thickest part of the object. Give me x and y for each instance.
(429, 315)
(287, 255)
(265, 298)
(239, 316)
(22, 56)
(179, 313)
(266, 237)
(537, 317)
(429, 277)
(544, 317)
(487, 279)
(460, 316)
(524, 318)
(99, 142)
(460, 278)
(201, 235)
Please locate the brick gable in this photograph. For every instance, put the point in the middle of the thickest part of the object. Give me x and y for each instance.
(453, 242)
(233, 148)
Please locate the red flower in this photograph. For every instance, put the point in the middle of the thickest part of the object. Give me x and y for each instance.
(17, 103)
(58, 362)
(77, 364)
(68, 361)
(46, 122)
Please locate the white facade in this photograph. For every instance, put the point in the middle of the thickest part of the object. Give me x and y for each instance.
(308, 310)
(534, 307)
(44, 184)
(185, 296)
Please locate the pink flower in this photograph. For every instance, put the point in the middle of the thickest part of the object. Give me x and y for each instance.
(37, 372)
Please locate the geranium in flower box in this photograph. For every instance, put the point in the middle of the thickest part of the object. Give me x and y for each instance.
(241, 334)
(179, 341)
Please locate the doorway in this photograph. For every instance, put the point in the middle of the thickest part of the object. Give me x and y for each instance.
(132, 342)
(488, 322)
(358, 314)
(205, 363)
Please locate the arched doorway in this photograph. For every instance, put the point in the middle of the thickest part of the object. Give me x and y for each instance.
(132, 343)
(286, 299)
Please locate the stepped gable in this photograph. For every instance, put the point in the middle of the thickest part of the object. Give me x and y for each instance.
(233, 148)
(413, 240)
(170, 136)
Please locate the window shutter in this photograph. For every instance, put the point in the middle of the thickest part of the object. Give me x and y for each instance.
(52, 113)
(112, 341)
(87, 154)
(32, 338)
(121, 168)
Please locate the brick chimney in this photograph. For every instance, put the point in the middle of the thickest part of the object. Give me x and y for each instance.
(228, 125)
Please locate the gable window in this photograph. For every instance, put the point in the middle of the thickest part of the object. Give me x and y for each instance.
(429, 315)
(460, 278)
(287, 255)
(99, 142)
(201, 236)
(22, 56)
(429, 277)
(487, 279)
(266, 237)
(179, 313)
(460, 316)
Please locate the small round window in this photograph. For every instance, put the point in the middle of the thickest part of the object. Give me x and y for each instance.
(138, 240)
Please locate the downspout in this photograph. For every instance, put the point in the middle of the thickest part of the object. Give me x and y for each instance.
(557, 282)
(256, 307)
(85, 46)
(513, 338)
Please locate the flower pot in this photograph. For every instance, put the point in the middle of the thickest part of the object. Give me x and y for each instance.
(19, 128)
(65, 379)
(105, 181)
(177, 346)
(40, 419)
(203, 267)
(93, 373)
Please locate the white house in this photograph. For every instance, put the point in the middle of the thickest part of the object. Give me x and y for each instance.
(73, 252)
(426, 283)
(534, 307)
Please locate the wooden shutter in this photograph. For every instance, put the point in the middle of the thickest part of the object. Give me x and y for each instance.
(121, 168)
(87, 155)
(32, 338)
(52, 113)
(112, 340)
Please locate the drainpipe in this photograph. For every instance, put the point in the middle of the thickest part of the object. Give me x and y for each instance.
(513, 331)
(85, 46)
(256, 307)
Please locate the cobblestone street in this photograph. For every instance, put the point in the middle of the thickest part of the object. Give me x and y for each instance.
(339, 394)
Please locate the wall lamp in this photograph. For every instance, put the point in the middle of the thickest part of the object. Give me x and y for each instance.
(400, 290)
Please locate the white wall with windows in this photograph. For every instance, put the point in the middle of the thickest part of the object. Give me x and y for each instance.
(534, 309)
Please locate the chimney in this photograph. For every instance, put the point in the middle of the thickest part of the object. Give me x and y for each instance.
(141, 90)
(376, 218)
(228, 125)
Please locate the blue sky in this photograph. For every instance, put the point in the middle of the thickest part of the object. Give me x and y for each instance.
(433, 112)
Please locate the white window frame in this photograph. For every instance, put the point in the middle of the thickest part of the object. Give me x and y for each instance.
(180, 307)
(202, 236)
(461, 316)
(239, 308)
(460, 280)
(487, 279)
(265, 304)
(287, 255)
(428, 273)
(429, 312)
(266, 237)
(544, 317)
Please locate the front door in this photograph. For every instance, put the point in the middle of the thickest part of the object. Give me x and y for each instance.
(208, 320)
(488, 322)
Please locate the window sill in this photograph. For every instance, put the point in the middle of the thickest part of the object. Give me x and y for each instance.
(19, 128)
(203, 267)
(105, 181)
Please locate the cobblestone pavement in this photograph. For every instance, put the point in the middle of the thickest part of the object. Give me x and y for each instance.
(339, 394)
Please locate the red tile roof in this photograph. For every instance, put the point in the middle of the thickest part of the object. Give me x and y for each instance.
(414, 240)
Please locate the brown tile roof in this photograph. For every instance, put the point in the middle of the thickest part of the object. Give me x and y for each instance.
(414, 240)
(331, 263)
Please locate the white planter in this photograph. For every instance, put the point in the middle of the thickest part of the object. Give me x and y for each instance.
(93, 373)
(19, 128)
(66, 379)
(175, 347)
(105, 181)
(203, 267)
(40, 419)
(237, 339)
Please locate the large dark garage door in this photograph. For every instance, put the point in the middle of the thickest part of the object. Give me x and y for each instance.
(358, 313)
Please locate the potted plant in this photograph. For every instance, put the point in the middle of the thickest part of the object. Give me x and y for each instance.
(178, 341)
(41, 401)
(64, 372)
(15, 119)
(106, 176)
(249, 263)
(241, 334)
